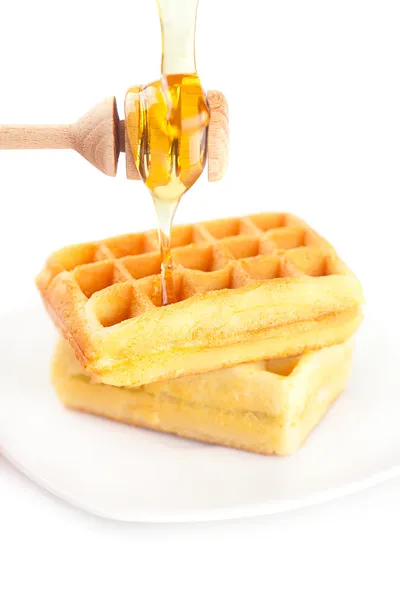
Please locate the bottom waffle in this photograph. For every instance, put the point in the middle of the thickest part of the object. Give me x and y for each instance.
(267, 407)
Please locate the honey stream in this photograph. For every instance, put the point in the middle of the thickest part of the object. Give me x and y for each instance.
(167, 123)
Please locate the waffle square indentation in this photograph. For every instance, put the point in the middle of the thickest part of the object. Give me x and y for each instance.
(285, 238)
(241, 246)
(262, 267)
(97, 276)
(142, 265)
(228, 228)
(183, 235)
(313, 262)
(130, 244)
(151, 287)
(266, 221)
(281, 366)
(200, 258)
(79, 254)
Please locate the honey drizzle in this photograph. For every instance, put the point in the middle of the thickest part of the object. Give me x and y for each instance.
(167, 124)
(165, 211)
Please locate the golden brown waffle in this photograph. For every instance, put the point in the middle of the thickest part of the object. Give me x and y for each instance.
(268, 407)
(262, 286)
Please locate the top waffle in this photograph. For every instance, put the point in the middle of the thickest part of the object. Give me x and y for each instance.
(262, 286)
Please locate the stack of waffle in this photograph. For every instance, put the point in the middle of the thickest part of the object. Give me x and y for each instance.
(252, 353)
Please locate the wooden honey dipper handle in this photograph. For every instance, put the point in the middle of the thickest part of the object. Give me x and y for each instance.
(99, 136)
(94, 136)
(31, 137)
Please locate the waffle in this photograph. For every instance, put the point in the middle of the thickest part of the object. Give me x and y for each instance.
(267, 407)
(250, 288)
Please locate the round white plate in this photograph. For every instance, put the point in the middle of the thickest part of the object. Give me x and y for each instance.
(129, 474)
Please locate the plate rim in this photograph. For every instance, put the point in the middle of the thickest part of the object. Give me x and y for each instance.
(239, 511)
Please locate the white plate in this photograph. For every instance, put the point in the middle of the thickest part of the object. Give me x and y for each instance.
(129, 474)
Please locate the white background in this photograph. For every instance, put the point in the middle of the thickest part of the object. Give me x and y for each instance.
(314, 96)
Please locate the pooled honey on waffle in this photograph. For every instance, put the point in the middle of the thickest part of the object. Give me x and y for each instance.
(167, 123)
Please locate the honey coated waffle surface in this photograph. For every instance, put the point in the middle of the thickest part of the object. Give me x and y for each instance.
(267, 406)
(246, 288)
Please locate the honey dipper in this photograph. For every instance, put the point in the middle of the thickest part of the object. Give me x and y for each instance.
(99, 136)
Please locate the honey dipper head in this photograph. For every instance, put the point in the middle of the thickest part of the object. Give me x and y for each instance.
(166, 125)
(211, 120)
